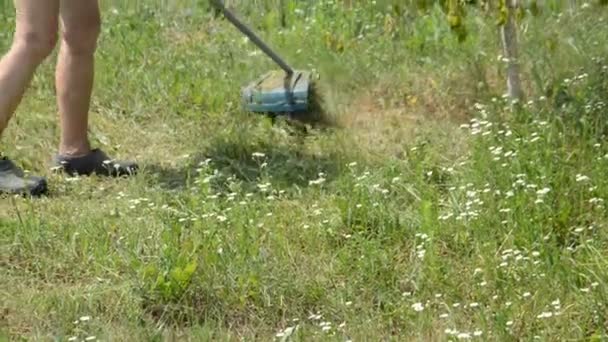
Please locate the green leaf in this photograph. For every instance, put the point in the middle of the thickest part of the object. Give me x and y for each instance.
(190, 269)
(150, 271)
(454, 20)
(428, 216)
(178, 274)
(534, 9)
(503, 13)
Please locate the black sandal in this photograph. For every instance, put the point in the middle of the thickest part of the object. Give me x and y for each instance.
(13, 181)
(96, 162)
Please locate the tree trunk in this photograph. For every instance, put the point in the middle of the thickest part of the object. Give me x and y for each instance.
(509, 42)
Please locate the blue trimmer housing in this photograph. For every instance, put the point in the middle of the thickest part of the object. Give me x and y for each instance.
(278, 92)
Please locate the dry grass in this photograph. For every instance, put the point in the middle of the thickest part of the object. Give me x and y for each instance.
(391, 116)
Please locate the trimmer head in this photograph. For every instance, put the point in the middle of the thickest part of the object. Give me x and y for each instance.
(276, 92)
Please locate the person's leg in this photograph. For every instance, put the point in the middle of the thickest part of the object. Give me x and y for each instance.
(34, 39)
(80, 27)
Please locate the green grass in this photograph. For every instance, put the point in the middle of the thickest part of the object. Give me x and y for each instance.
(431, 213)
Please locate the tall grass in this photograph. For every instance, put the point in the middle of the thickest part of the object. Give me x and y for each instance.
(433, 213)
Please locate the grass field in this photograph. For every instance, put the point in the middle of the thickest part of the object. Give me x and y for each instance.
(430, 212)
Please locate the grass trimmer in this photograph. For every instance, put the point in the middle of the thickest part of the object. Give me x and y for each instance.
(286, 92)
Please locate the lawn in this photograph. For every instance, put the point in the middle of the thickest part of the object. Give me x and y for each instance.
(431, 210)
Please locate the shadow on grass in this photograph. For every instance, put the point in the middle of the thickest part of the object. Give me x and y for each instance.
(248, 163)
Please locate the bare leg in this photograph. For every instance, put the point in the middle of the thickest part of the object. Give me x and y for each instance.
(35, 38)
(80, 23)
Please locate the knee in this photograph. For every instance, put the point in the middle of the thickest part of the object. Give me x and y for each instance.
(35, 45)
(81, 38)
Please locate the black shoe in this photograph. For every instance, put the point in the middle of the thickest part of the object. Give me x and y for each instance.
(96, 162)
(14, 182)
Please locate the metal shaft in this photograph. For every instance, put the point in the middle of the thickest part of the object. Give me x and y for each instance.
(254, 38)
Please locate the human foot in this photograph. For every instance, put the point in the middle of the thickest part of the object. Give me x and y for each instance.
(96, 162)
(14, 182)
